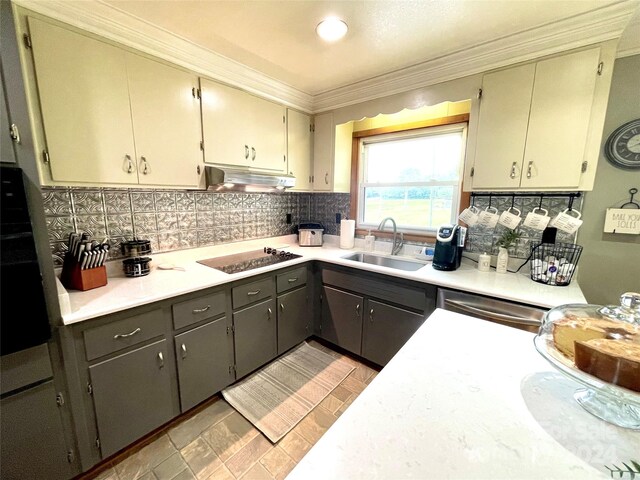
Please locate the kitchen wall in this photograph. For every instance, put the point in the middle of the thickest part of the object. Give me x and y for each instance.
(610, 262)
(177, 219)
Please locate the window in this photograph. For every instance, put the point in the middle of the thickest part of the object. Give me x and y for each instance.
(413, 176)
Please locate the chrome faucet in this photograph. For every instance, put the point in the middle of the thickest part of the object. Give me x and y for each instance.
(395, 249)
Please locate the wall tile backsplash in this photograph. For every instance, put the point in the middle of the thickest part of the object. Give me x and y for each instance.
(176, 219)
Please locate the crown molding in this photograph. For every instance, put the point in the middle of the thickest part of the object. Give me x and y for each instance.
(118, 26)
(597, 26)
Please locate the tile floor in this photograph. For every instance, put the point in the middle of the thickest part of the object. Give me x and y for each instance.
(218, 443)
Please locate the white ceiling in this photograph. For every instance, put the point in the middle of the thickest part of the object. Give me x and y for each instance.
(278, 37)
(270, 47)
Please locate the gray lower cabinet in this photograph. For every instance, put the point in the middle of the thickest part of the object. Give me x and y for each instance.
(204, 355)
(132, 395)
(341, 319)
(294, 319)
(255, 336)
(386, 329)
(33, 443)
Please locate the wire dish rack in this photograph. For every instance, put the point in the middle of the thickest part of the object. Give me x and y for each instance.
(554, 263)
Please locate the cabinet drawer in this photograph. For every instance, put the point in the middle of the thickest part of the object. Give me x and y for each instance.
(192, 311)
(291, 279)
(411, 297)
(123, 333)
(252, 292)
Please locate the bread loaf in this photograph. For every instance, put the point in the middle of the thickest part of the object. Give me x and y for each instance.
(614, 361)
(569, 330)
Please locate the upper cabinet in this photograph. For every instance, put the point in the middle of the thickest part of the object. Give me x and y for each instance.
(241, 129)
(331, 155)
(111, 116)
(299, 149)
(540, 124)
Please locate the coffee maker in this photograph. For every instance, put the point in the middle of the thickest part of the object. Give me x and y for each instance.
(449, 244)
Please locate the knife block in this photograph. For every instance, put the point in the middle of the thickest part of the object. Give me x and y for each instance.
(75, 278)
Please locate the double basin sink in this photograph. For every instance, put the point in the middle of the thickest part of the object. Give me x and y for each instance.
(386, 261)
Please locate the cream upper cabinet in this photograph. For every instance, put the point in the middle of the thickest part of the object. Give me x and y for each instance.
(166, 121)
(112, 117)
(241, 129)
(84, 99)
(537, 126)
(299, 149)
(331, 155)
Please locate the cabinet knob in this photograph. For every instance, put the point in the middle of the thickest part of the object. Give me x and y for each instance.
(183, 347)
(529, 168)
(282, 307)
(200, 310)
(253, 154)
(269, 312)
(513, 170)
(129, 163)
(371, 315)
(358, 309)
(246, 152)
(251, 294)
(326, 178)
(160, 359)
(144, 165)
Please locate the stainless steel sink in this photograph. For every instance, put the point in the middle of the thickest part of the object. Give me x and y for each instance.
(386, 261)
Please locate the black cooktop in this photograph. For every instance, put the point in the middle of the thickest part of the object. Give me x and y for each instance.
(241, 262)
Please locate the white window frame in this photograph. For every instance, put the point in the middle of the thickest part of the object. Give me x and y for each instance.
(422, 132)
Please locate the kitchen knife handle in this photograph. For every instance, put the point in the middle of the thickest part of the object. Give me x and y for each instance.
(125, 335)
(251, 294)
(200, 310)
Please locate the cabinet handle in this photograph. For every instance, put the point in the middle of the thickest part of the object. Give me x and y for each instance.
(183, 347)
(161, 359)
(282, 307)
(529, 168)
(291, 280)
(326, 178)
(200, 310)
(251, 294)
(371, 315)
(129, 163)
(358, 309)
(125, 335)
(269, 312)
(253, 154)
(246, 152)
(144, 165)
(513, 170)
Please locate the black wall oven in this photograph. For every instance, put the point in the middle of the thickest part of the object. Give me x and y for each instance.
(23, 314)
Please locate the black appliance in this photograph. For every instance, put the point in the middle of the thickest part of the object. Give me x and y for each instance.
(449, 244)
(24, 321)
(241, 262)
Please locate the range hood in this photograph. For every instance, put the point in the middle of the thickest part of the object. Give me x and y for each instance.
(223, 178)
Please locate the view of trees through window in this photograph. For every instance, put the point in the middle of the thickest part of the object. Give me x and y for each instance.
(413, 178)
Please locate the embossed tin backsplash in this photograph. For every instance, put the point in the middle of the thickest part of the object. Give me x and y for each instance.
(178, 219)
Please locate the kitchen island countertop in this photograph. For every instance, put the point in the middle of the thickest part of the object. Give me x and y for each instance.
(122, 293)
(466, 398)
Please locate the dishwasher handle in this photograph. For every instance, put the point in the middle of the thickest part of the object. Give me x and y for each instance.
(492, 315)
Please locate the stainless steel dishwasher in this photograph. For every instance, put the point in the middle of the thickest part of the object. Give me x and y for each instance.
(523, 317)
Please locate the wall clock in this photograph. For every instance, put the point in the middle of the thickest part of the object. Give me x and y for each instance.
(623, 146)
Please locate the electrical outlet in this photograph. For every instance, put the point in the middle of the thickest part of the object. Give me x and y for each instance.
(288, 219)
(338, 217)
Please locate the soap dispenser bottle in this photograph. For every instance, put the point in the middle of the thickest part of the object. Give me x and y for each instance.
(369, 241)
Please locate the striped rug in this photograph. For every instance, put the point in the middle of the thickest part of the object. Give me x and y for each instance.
(279, 395)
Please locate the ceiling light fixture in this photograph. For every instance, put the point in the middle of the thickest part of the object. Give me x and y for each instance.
(331, 29)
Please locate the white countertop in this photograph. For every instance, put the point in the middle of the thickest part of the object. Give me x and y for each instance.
(466, 398)
(122, 292)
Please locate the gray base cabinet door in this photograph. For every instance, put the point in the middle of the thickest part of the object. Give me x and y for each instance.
(33, 444)
(294, 319)
(204, 355)
(132, 395)
(386, 329)
(255, 336)
(342, 318)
